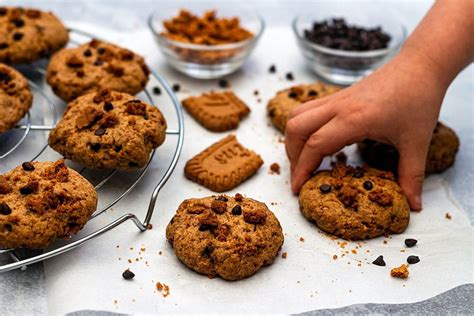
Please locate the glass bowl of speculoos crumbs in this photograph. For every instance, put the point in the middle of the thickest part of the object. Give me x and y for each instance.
(343, 46)
(206, 44)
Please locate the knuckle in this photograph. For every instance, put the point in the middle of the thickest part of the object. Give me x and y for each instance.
(314, 141)
(292, 127)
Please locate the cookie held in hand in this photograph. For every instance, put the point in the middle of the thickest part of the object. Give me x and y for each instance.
(109, 129)
(41, 202)
(230, 237)
(355, 203)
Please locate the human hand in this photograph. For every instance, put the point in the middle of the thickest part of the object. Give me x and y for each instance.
(398, 104)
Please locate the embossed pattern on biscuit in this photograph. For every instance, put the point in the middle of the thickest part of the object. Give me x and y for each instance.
(217, 111)
(280, 106)
(223, 165)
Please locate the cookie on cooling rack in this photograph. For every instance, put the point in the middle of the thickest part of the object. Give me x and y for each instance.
(442, 151)
(223, 165)
(41, 202)
(27, 35)
(217, 111)
(108, 129)
(96, 65)
(355, 203)
(15, 97)
(230, 237)
(280, 106)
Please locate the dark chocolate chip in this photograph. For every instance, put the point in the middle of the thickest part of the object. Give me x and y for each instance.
(410, 242)
(18, 22)
(101, 50)
(108, 106)
(312, 93)
(368, 185)
(117, 148)
(80, 74)
(128, 275)
(3, 45)
(98, 62)
(358, 174)
(289, 76)
(95, 147)
(8, 227)
(28, 166)
(223, 83)
(325, 188)
(31, 187)
(206, 252)
(17, 36)
(238, 197)
(204, 227)
(100, 131)
(157, 90)
(379, 261)
(176, 87)
(5, 209)
(292, 94)
(237, 210)
(3, 11)
(413, 259)
(272, 69)
(87, 53)
(222, 198)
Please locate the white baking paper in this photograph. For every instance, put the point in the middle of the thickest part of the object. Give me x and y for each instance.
(309, 278)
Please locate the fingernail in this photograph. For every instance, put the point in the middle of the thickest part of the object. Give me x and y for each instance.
(418, 202)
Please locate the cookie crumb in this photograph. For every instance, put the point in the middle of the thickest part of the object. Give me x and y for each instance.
(165, 289)
(334, 257)
(256, 92)
(160, 253)
(275, 168)
(149, 226)
(401, 272)
(447, 216)
(385, 242)
(284, 255)
(301, 239)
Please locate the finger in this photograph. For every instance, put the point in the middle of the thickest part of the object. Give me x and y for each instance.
(329, 139)
(306, 107)
(300, 128)
(411, 173)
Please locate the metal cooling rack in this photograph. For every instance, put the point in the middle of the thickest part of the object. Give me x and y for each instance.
(21, 258)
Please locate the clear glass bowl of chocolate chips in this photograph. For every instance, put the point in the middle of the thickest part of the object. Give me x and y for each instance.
(343, 46)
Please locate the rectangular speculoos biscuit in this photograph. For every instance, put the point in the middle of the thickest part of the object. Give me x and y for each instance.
(223, 165)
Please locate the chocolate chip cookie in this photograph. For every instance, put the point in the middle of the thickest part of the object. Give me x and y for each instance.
(280, 106)
(109, 129)
(15, 97)
(27, 35)
(223, 165)
(442, 152)
(230, 237)
(96, 65)
(355, 203)
(217, 111)
(41, 202)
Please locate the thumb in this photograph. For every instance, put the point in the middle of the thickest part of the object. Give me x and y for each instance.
(411, 173)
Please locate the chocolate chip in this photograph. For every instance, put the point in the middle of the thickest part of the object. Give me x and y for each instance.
(28, 166)
(358, 174)
(117, 148)
(3, 11)
(206, 252)
(98, 62)
(312, 93)
(413, 259)
(238, 197)
(18, 22)
(176, 87)
(100, 131)
(3, 45)
(87, 53)
(128, 275)
(108, 106)
(203, 227)
(218, 207)
(272, 69)
(325, 188)
(410, 242)
(101, 50)
(74, 62)
(237, 210)
(223, 83)
(379, 261)
(4, 77)
(368, 185)
(255, 217)
(156, 90)
(8, 227)
(292, 94)
(30, 188)
(95, 147)
(222, 198)
(289, 76)
(5, 209)
(17, 36)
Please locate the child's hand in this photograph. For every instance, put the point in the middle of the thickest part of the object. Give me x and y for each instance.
(399, 105)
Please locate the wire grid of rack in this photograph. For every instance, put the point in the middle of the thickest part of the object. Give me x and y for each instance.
(26, 127)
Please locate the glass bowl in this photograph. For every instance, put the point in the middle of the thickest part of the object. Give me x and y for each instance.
(342, 66)
(207, 61)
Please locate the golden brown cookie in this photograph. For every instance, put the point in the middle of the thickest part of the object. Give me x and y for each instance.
(280, 106)
(15, 97)
(96, 65)
(41, 202)
(230, 237)
(217, 111)
(27, 35)
(223, 166)
(355, 203)
(442, 152)
(109, 129)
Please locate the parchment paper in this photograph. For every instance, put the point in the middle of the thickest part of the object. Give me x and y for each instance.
(90, 276)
